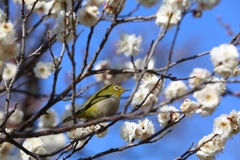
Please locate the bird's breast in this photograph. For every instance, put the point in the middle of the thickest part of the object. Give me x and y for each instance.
(106, 107)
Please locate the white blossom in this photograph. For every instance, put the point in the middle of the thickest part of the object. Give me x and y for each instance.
(148, 91)
(168, 114)
(147, 128)
(131, 131)
(222, 126)
(238, 119)
(168, 16)
(43, 69)
(233, 117)
(78, 132)
(236, 72)
(225, 59)
(175, 89)
(143, 96)
(208, 98)
(9, 71)
(48, 120)
(114, 6)
(206, 4)
(210, 146)
(148, 3)
(9, 51)
(219, 85)
(7, 33)
(17, 117)
(88, 16)
(60, 141)
(99, 127)
(189, 107)
(130, 45)
(5, 149)
(34, 145)
(200, 75)
(9, 48)
(139, 63)
(152, 82)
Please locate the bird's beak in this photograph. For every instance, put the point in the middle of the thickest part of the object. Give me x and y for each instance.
(125, 90)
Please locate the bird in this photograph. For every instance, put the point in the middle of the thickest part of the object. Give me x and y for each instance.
(104, 102)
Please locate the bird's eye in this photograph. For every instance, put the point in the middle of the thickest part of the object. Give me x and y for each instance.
(116, 88)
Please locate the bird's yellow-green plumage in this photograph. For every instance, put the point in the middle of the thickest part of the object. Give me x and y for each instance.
(104, 102)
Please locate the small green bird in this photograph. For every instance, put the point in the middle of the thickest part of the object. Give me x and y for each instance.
(104, 102)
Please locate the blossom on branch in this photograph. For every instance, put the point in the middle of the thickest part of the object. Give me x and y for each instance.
(168, 15)
(48, 120)
(87, 16)
(129, 45)
(208, 98)
(210, 146)
(9, 47)
(189, 107)
(114, 6)
(197, 76)
(43, 69)
(9, 71)
(175, 89)
(148, 91)
(225, 126)
(17, 117)
(225, 59)
(131, 131)
(34, 145)
(147, 128)
(167, 115)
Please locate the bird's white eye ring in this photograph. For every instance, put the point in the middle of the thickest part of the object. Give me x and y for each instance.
(116, 88)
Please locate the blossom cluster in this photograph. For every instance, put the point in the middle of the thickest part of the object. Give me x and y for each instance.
(171, 11)
(9, 47)
(207, 91)
(225, 59)
(131, 131)
(225, 126)
(43, 69)
(130, 45)
(148, 92)
(40, 145)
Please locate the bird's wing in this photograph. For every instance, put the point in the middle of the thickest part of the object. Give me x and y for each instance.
(91, 101)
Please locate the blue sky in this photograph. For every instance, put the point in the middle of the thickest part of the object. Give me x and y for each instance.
(196, 35)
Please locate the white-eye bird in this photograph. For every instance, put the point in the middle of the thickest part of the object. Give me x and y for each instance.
(103, 103)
